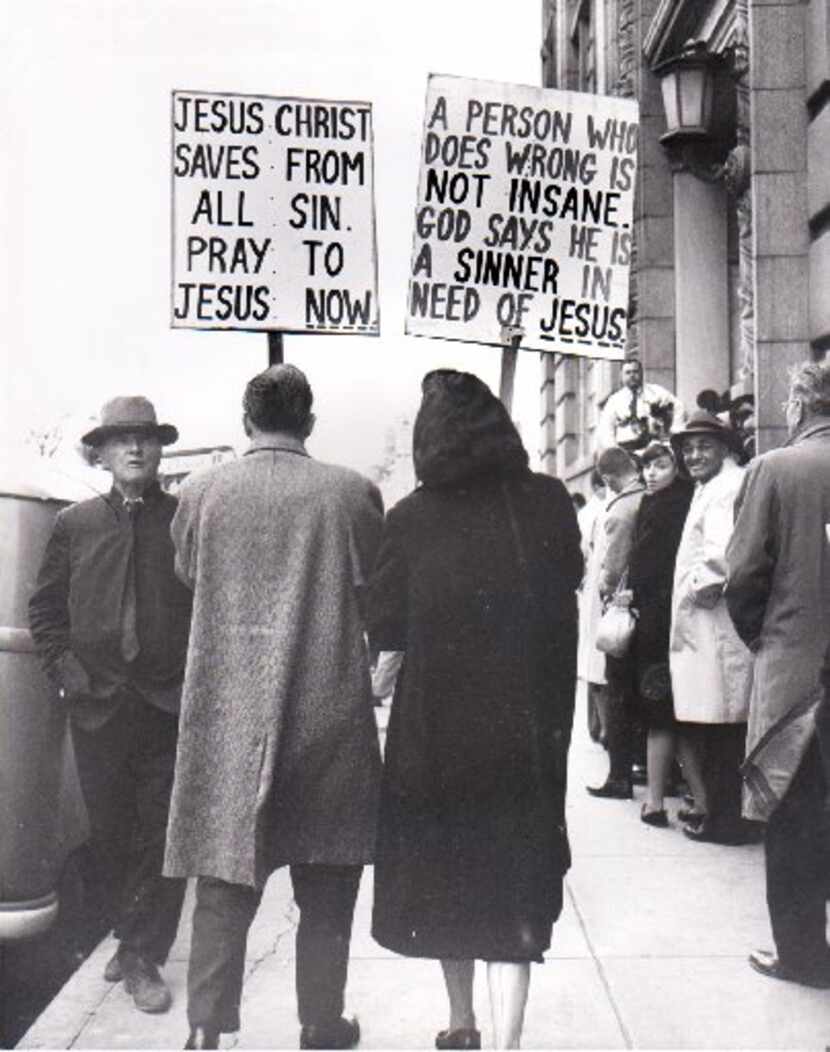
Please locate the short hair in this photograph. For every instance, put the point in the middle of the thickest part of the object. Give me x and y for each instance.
(578, 500)
(279, 399)
(654, 450)
(616, 462)
(810, 383)
(632, 361)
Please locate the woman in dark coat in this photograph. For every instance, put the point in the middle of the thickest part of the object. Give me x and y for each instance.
(650, 573)
(475, 583)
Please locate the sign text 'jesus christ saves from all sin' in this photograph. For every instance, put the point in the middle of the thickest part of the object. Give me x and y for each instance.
(273, 214)
(523, 220)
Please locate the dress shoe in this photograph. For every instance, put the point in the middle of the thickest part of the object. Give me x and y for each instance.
(612, 789)
(768, 964)
(142, 980)
(342, 1033)
(707, 832)
(463, 1037)
(113, 972)
(203, 1037)
(654, 818)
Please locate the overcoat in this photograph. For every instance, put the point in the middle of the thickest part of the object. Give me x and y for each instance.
(657, 535)
(278, 759)
(779, 598)
(711, 669)
(475, 583)
(590, 661)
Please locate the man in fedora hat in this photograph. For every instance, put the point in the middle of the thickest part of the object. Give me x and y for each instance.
(110, 621)
(711, 669)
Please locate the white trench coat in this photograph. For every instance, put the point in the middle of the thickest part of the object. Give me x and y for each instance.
(711, 669)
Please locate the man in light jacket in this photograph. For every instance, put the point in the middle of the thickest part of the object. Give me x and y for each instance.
(779, 600)
(620, 473)
(278, 759)
(711, 669)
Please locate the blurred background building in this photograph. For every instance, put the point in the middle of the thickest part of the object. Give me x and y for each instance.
(731, 276)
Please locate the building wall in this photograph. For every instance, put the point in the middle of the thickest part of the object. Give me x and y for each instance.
(729, 289)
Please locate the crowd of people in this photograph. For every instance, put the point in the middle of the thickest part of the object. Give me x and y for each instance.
(212, 652)
(722, 561)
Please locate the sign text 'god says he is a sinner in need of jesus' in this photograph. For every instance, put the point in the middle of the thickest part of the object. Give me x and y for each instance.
(273, 214)
(523, 219)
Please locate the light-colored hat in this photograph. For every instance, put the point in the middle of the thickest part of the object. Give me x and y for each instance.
(129, 413)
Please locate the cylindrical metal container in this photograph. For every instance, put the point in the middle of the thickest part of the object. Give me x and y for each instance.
(42, 816)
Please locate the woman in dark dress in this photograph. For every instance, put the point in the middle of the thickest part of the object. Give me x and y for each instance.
(650, 573)
(475, 582)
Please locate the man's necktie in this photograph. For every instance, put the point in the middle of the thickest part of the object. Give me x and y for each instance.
(129, 623)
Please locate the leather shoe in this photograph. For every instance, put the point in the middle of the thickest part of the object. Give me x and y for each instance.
(203, 1037)
(463, 1037)
(706, 832)
(113, 971)
(654, 818)
(690, 816)
(142, 980)
(612, 789)
(342, 1033)
(768, 964)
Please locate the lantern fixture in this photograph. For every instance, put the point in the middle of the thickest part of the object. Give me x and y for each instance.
(688, 83)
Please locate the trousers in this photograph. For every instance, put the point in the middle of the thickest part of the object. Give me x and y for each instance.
(325, 896)
(126, 769)
(797, 854)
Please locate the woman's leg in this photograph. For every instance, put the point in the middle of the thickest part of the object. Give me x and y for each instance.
(458, 977)
(660, 750)
(508, 983)
(690, 751)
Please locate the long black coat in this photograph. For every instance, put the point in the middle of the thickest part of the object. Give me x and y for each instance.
(475, 582)
(657, 533)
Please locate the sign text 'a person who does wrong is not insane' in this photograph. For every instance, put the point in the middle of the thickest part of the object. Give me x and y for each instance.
(273, 214)
(523, 219)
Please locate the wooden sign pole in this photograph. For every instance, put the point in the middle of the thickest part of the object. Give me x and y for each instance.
(275, 349)
(511, 337)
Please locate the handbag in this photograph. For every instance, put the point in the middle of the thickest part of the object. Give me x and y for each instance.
(616, 624)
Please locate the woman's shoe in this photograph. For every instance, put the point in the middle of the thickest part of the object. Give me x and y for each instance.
(690, 816)
(463, 1037)
(654, 818)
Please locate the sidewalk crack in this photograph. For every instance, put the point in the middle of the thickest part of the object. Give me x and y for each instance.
(626, 1035)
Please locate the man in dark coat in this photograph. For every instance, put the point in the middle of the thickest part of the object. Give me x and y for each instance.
(778, 595)
(110, 621)
(278, 762)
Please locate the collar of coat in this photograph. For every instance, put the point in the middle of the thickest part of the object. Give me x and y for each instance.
(810, 430)
(277, 444)
(634, 487)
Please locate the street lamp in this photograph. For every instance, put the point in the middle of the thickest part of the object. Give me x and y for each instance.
(688, 85)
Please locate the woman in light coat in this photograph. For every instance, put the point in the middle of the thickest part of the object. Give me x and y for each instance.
(711, 669)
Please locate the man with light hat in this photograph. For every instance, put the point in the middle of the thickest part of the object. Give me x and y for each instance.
(110, 621)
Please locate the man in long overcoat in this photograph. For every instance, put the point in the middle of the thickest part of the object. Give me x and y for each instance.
(778, 596)
(278, 760)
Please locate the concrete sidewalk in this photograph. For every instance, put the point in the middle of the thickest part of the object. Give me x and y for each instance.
(650, 952)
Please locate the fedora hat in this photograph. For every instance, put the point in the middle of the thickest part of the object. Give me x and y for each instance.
(703, 423)
(129, 413)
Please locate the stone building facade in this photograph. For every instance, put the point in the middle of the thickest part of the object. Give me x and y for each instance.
(731, 276)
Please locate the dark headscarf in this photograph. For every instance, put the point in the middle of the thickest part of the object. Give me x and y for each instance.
(463, 431)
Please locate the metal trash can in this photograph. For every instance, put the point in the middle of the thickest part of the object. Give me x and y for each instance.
(42, 816)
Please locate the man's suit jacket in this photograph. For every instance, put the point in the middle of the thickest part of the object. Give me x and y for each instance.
(75, 612)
